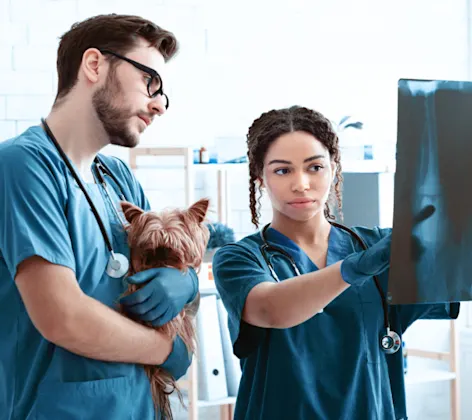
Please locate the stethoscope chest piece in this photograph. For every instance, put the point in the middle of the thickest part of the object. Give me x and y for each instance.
(390, 342)
(117, 266)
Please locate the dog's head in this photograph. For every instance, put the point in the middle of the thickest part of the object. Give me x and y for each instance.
(172, 238)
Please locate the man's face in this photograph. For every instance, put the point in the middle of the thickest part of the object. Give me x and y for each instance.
(122, 104)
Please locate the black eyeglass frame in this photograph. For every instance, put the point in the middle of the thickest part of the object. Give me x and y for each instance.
(153, 73)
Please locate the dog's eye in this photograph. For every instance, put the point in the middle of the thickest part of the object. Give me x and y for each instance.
(162, 254)
(154, 256)
(159, 255)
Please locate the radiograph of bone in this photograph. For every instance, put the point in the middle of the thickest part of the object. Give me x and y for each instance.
(431, 257)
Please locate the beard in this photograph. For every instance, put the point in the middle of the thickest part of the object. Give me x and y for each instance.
(114, 118)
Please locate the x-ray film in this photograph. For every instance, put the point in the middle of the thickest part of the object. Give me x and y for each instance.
(431, 259)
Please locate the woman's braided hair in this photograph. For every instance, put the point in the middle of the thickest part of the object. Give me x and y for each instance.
(271, 125)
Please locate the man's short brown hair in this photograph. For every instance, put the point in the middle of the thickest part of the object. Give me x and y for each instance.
(118, 33)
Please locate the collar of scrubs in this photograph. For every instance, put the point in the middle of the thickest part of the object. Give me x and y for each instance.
(339, 246)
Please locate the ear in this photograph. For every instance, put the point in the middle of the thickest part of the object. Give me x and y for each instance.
(199, 210)
(334, 167)
(92, 64)
(130, 211)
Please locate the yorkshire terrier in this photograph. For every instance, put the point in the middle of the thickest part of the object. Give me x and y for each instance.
(171, 238)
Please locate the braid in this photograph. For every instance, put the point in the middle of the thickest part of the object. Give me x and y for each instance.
(253, 203)
(258, 143)
(336, 190)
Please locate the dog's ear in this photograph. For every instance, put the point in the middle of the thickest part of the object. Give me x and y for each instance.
(199, 209)
(130, 211)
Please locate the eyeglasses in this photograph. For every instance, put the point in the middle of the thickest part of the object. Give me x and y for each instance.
(154, 84)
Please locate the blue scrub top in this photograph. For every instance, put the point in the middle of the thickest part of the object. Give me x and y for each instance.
(329, 367)
(44, 213)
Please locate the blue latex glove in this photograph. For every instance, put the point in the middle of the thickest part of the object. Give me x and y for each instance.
(361, 266)
(162, 299)
(179, 359)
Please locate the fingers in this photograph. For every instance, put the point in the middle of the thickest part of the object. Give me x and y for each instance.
(138, 297)
(143, 276)
(151, 308)
(159, 319)
(157, 316)
(376, 259)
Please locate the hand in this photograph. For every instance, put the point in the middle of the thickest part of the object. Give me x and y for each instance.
(360, 266)
(179, 359)
(164, 296)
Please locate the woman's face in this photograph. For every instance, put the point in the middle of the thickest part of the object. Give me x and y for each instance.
(297, 175)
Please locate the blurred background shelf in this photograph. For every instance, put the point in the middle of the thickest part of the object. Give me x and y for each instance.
(430, 375)
(224, 401)
(417, 375)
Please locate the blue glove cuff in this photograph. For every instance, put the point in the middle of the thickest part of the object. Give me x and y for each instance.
(194, 277)
(349, 273)
(179, 359)
(361, 266)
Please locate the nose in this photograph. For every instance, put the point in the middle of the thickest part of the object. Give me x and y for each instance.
(157, 106)
(301, 182)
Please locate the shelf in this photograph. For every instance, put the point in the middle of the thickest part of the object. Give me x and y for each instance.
(416, 376)
(223, 401)
(195, 166)
(368, 166)
(207, 290)
(361, 166)
(216, 166)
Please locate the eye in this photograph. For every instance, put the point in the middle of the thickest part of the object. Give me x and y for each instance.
(281, 171)
(155, 83)
(315, 168)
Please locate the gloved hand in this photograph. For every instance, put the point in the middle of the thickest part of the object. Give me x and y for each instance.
(361, 266)
(179, 359)
(162, 299)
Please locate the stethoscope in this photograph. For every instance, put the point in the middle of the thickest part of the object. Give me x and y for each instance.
(118, 264)
(389, 342)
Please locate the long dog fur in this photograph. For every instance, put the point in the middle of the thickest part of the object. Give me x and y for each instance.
(172, 238)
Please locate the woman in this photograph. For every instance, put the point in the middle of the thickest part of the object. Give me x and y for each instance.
(309, 344)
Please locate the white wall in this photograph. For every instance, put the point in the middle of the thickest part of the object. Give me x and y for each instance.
(241, 58)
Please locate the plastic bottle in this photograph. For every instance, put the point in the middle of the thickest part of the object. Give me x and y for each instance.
(204, 155)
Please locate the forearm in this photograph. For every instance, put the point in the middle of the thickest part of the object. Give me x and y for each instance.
(294, 301)
(96, 331)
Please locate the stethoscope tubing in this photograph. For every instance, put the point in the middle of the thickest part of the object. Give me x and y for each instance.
(99, 166)
(265, 248)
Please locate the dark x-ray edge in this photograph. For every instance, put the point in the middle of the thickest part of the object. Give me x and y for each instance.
(431, 259)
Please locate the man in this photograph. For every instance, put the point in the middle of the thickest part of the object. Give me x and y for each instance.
(66, 352)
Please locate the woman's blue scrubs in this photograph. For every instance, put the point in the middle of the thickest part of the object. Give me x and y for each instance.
(44, 213)
(329, 367)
